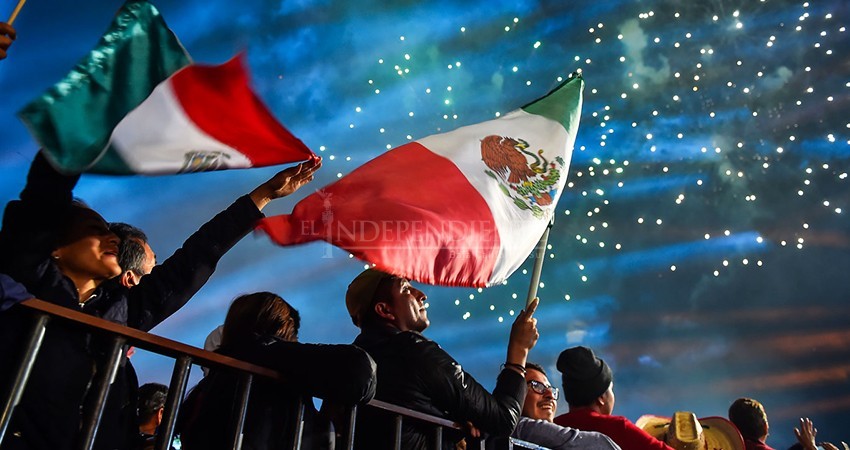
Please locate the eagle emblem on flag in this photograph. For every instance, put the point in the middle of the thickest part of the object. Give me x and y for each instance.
(530, 184)
(204, 161)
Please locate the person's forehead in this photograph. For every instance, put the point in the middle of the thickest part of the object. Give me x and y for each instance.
(86, 216)
(534, 374)
(401, 281)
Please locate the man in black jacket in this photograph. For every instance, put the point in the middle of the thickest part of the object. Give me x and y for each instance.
(414, 372)
(49, 414)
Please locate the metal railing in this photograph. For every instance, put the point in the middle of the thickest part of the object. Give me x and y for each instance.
(184, 356)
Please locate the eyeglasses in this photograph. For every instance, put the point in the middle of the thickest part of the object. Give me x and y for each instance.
(541, 388)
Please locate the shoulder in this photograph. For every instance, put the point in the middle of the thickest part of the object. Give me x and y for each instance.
(413, 338)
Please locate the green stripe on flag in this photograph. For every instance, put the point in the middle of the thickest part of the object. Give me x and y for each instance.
(562, 104)
(74, 119)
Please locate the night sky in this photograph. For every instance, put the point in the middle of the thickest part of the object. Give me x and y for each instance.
(701, 246)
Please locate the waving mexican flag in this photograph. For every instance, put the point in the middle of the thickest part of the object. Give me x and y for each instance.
(136, 104)
(464, 208)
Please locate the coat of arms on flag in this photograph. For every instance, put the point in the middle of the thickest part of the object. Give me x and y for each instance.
(535, 184)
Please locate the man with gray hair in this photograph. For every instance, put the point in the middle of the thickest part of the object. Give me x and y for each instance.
(135, 255)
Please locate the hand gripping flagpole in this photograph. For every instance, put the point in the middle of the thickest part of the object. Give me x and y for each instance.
(539, 255)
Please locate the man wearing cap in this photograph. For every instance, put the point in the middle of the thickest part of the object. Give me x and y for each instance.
(416, 373)
(589, 391)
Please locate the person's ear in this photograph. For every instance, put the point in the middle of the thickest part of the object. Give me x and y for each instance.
(159, 415)
(383, 310)
(128, 279)
(601, 400)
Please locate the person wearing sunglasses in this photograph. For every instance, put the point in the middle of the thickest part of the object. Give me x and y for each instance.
(538, 412)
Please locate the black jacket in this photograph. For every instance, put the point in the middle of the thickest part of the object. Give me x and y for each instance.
(49, 414)
(416, 373)
(343, 374)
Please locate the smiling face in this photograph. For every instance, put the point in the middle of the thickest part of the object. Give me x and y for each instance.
(539, 406)
(402, 305)
(88, 250)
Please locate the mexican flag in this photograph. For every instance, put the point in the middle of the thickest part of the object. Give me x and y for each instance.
(136, 104)
(463, 208)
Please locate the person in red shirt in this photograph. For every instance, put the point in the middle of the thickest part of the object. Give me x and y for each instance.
(589, 391)
(751, 419)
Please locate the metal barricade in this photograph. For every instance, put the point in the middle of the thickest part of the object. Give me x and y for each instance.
(46, 313)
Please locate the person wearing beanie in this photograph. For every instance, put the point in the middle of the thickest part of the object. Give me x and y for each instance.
(415, 372)
(588, 386)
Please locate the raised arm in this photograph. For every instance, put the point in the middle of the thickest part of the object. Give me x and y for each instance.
(284, 183)
(466, 400)
(171, 284)
(31, 224)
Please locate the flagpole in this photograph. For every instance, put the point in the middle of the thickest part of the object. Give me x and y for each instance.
(539, 255)
(15, 12)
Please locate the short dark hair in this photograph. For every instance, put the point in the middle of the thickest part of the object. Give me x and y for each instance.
(260, 313)
(749, 416)
(151, 399)
(537, 367)
(74, 212)
(369, 318)
(131, 253)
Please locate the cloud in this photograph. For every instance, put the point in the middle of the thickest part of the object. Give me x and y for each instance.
(777, 79)
(635, 41)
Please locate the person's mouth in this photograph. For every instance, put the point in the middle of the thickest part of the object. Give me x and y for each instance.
(546, 405)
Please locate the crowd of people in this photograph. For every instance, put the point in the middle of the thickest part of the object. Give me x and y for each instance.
(59, 250)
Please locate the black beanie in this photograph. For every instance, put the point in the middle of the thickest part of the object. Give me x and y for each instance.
(585, 377)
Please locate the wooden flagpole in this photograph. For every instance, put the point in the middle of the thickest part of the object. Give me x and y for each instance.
(16, 11)
(539, 255)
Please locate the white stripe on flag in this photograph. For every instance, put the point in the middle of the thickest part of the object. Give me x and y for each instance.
(157, 136)
(518, 229)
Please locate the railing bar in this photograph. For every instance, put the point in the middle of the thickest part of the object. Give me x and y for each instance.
(244, 393)
(397, 432)
(179, 380)
(352, 421)
(438, 437)
(36, 337)
(150, 342)
(103, 381)
(413, 414)
(299, 426)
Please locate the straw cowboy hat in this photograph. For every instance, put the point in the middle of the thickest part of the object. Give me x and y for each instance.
(685, 432)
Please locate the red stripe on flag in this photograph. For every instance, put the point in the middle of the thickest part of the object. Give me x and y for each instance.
(220, 102)
(409, 211)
